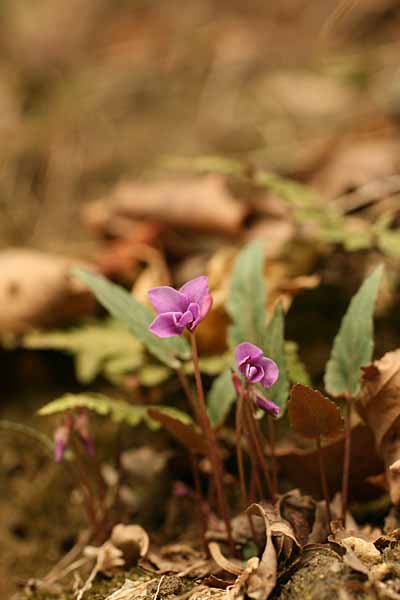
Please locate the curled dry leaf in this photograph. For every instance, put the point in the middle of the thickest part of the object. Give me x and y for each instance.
(132, 540)
(234, 567)
(312, 415)
(108, 557)
(300, 511)
(379, 405)
(261, 583)
(36, 290)
(197, 203)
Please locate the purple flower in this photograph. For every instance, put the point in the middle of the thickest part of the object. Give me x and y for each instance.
(61, 439)
(267, 405)
(81, 426)
(73, 423)
(254, 366)
(180, 309)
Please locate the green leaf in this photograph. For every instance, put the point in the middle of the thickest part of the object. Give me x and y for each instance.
(118, 410)
(153, 375)
(210, 365)
(247, 297)
(123, 306)
(353, 345)
(274, 347)
(296, 369)
(220, 398)
(100, 347)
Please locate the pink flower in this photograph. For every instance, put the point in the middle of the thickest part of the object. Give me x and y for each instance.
(78, 423)
(180, 309)
(256, 368)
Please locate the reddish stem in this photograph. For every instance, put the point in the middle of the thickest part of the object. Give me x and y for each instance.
(239, 449)
(324, 482)
(258, 445)
(272, 445)
(346, 460)
(215, 459)
(197, 486)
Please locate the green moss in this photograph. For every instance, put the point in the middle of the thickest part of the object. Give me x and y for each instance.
(321, 578)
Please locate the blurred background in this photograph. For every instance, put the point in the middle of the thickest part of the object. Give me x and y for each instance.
(95, 91)
(149, 140)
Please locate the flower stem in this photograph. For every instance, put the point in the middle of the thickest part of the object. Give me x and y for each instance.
(239, 450)
(324, 482)
(271, 438)
(197, 486)
(255, 434)
(346, 460)
(215, 459)
(240, 463)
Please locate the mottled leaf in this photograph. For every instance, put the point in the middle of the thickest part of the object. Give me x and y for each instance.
(247, 297)
(98, 347)
(118, 410)
(353, 345)
(220, 398)
(137, 317)
(296, 369)
(313, 415)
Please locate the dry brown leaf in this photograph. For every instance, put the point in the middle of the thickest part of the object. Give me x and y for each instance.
(108, 557)
(261, 583)
(379, 405)
(234, 567)
(36, 290)
(311, 414)
(192, 203)
(299, 510)
(133, 540)
(300, 465)
(129, 590)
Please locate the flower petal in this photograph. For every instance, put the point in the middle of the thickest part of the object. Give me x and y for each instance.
(271, 371)
(196, 289)
(254, 373)
(246, 351)
(268, 406)
(206, 306)
(165, 326)
(167, 299)
(196, 315)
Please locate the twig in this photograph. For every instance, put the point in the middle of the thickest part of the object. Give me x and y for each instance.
(158, 587)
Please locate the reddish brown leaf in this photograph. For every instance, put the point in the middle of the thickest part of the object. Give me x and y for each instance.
(313, 415)
(187, 434)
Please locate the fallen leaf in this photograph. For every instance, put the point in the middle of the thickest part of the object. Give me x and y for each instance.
(300, 464)
(261, 583)
(202, 204)
(36, 291)
(313, 415)
(379, 405)
(132, 540)
(300, 511)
